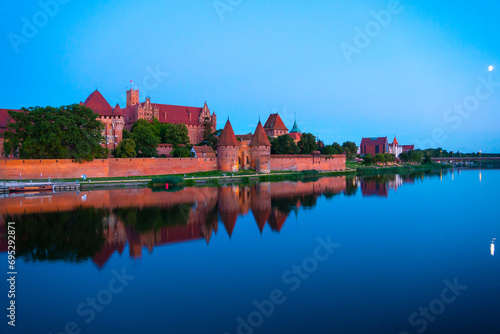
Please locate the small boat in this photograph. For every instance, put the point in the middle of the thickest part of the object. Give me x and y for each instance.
(30, 189)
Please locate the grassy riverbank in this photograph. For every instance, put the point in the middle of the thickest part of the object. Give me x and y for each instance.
(215, 178)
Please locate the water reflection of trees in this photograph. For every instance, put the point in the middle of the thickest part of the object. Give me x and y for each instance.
(154, 218)
(71, 236)
(177, 217)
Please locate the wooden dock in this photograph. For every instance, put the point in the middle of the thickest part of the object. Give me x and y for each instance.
(20, 187)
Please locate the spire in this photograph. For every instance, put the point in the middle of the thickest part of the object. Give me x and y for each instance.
(259, 137)
(227, 137)
(295, 127)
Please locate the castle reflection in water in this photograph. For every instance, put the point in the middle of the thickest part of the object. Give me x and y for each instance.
(96, 224)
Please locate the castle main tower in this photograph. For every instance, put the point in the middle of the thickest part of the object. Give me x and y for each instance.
(132, 97)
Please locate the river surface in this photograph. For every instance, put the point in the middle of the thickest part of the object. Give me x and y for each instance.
(385, 254)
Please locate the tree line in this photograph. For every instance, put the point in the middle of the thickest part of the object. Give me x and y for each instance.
(285, 144)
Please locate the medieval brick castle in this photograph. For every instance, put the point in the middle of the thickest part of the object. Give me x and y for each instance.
(233, 152)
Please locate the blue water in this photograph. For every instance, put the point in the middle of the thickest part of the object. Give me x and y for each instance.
(394, 251)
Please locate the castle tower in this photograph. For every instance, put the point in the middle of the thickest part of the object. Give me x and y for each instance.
(214, 122)
(132, 97)
(227, 150)
(260, 151)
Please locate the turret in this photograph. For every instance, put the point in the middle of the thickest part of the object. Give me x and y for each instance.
(227, 150)
(260, 151)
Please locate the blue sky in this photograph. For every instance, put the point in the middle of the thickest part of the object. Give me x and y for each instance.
(422, 74)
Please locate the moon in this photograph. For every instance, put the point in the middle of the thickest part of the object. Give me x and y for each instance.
(490, 68)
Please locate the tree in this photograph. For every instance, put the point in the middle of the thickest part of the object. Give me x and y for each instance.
(213, 139)
(350, 148)
(145, 139)
(389, 157)
(403, 156)
(307, 143)
(368, 159)
(160, 130)
(176, 134)
(126, 134)
(207, 129)
(181, 152)
(415, 156)
(67, 132)
(338, 149)
(328, 149)
(427, 160)
(379, 157)
(126, 149)
(284, 145)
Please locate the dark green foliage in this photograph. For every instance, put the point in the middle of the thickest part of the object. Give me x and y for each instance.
(146, 141)
(389, 157)
(307, 143)
(176, 134)
(311, 172)
(68, 132)
(335, 148)
(350, 148)
(66, 236)
(411, 156)
(207, 129)
(153, 218)
(160, 181)
(380, 157)
(126, 149)
(368, 159)
(284, 145)
(126, 134)
(181, 152)
(212, 139)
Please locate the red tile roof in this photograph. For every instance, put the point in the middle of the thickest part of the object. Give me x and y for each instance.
(260, 137)
(274, 122)
(295, 135)
(245, 137)
(118, 111)
(177, 114)
(408, 148)
(98, 104)
(229, 220)
(227, 137)
(261, 216)
(395, 141)
(205, 150)
(374, 141)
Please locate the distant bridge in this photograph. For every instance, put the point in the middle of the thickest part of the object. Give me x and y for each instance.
(460, 159)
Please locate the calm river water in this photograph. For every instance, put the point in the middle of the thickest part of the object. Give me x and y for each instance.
(389, 254)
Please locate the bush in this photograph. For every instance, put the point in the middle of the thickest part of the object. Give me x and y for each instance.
(181, 152)
(310, 172)
(162, 180)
